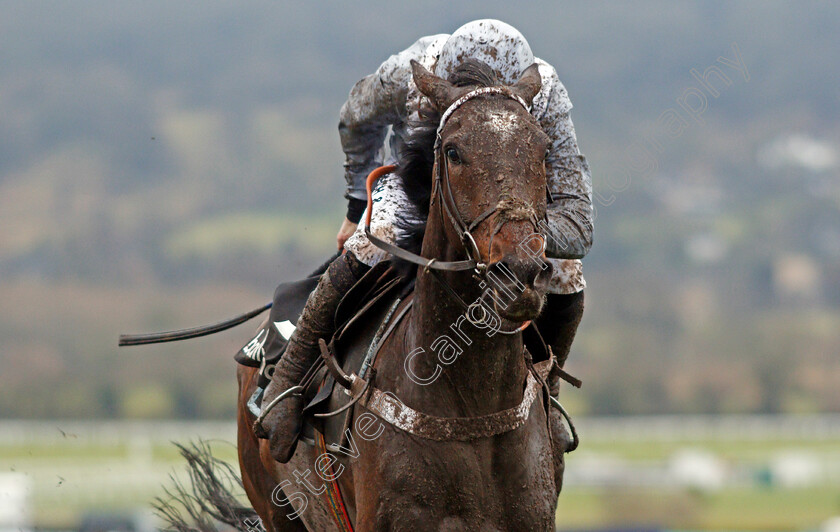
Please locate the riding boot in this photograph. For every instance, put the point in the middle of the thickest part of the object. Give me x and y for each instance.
(283, 423)
(558, 324)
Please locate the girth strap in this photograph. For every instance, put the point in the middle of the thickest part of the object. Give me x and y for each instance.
(332, 494)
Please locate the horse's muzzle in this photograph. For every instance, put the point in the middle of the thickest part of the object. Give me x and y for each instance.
(520, 285)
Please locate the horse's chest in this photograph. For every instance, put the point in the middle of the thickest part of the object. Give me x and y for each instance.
(500, 483)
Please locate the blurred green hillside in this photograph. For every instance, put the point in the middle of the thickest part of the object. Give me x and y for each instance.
(165, 164)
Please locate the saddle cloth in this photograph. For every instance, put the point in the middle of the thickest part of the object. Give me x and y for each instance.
(264, 349)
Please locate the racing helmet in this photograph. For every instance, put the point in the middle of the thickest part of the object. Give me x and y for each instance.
(491, 41)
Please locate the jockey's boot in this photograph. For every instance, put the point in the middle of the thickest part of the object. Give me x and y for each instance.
(558, 324)
(282, 424)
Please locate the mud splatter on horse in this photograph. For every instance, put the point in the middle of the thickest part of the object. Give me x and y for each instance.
(464, 441)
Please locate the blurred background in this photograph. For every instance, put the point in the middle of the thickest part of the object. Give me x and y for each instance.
(165, 165)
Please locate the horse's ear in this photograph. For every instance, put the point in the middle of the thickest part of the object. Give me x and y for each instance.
(529, 84)
(438, 90)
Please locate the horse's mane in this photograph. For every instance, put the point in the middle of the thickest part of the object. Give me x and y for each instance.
(417, 159)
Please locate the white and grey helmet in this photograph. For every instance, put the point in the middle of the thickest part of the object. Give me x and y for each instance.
(492, 41)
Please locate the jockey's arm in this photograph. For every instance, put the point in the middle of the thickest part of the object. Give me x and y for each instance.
(570, 223)
(375, 102)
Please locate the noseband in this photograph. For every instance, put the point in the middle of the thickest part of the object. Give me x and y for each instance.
(443, 191)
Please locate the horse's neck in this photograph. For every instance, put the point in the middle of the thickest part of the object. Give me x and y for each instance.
(488, 375)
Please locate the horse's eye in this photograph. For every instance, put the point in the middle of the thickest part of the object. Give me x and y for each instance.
(452, 155)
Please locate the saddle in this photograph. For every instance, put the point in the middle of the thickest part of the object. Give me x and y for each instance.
(367, 311)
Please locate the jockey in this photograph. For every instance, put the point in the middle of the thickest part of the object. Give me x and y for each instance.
(389, 97)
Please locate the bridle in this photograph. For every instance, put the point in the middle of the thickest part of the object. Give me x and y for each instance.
(442, 192)
(417, 423)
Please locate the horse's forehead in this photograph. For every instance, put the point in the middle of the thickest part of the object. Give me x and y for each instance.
(502, 115)
(492, 124)
(502, 122)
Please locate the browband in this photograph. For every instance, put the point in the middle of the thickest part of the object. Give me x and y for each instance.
(474, 94)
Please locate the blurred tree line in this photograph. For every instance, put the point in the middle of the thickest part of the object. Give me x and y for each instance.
(162, 165)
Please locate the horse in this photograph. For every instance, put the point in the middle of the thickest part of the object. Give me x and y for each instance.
(460, 439)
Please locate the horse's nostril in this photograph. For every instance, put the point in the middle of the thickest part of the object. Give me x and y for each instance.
(524, 271)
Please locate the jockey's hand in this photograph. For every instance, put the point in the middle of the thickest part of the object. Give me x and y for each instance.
(344, 232)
